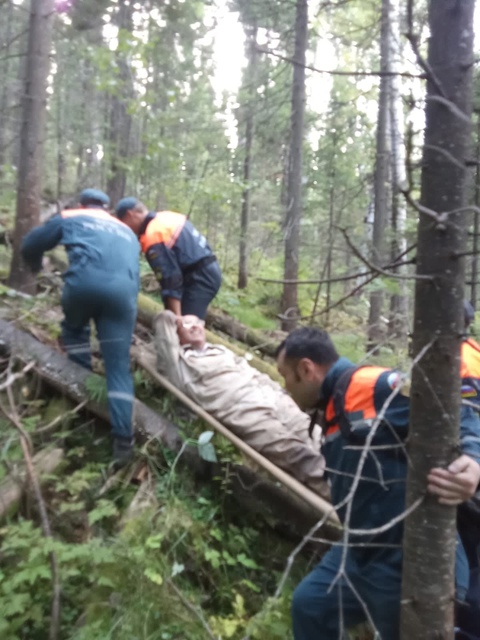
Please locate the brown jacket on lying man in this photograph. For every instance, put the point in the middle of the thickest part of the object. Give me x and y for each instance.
(249, 403)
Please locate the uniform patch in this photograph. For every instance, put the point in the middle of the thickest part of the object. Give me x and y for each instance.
(396, 379)
(468, 391)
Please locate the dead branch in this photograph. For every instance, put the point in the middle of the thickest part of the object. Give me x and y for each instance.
(333, 72)
(451, 107)
(439, 218)
(351, 276)
(11, 377)
(413, 39)
(192, 608)
(13, 417)
(446, 154)
(51, 425)
(376, 269)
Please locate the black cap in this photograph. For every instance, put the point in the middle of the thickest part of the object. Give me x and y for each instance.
(124, 205)
(469, 313)
(94, 196)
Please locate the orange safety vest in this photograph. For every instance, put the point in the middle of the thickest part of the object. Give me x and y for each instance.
(352, 401)
(163, 229)
(470, 363)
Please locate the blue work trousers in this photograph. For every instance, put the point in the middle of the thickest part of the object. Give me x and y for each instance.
(112, 305)
(371, 592)
(200, 288)
(323, 612)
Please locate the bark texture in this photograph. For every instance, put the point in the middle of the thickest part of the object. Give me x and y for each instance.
(381, 180)
(247, 160)
(295, 164)
(120, 118)
(32, 134)
(429, 545)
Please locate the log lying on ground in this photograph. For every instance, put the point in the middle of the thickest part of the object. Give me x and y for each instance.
(13, 486)
(258, 340)
(148, 309)
(262, 497)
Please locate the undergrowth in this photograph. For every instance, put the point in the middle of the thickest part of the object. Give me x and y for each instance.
(187, 562)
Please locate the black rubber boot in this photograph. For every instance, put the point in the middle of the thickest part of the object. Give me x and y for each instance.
(122, 451)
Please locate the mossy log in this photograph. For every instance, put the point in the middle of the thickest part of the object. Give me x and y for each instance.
(148, 309)
(252, 492)
(14, 485)
(258, 340)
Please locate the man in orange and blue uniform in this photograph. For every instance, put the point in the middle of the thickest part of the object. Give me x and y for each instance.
(468, 616)
(325, 603)
(185, 266)
(470, 360)
(100, 284)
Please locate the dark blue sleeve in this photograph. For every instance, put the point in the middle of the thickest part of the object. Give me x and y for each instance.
(470, 432)
(164, 264)
(39, 240)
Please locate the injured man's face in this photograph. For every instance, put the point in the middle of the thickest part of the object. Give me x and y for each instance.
(191, 330)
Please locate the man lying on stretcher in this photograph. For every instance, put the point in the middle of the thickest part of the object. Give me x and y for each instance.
(249, 403)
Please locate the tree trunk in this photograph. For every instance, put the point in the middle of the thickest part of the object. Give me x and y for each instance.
(476, 223)
(398, 325)
(120, 118)
(32, 134)
(295, 163)
(381, 180)
(249, 129)
(429, 543)
(5, 93)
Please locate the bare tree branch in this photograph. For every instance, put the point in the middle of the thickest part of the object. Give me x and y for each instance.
(13, 417)
(379, 270)
(333, 72)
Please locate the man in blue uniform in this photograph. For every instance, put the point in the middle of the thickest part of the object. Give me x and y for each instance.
(324, 603)
(468, 615)
(101, 284)
(184, 264)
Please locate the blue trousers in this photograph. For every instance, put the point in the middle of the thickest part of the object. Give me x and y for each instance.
(199, 289)
(112, 305)
(323, 612)
(468, 613)
(320, 612)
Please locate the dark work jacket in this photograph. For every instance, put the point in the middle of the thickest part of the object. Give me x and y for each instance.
(100, 248)
(380, 494)
(173, 247)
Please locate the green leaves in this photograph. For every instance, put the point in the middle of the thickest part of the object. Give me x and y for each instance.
(104, 509)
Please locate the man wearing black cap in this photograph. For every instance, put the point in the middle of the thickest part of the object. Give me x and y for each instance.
(185, 266)
(101, 284)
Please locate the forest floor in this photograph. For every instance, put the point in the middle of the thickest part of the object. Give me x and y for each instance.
(152, 553)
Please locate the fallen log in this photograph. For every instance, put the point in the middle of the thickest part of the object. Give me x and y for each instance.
(149, 308)
(279, 507)
(14, 485)
(258, 340)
